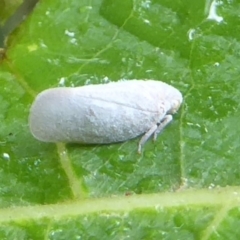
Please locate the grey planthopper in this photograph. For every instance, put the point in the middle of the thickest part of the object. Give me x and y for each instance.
(104, 113)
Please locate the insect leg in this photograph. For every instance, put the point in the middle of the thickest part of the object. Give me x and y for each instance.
(146, 136)
(165, 121)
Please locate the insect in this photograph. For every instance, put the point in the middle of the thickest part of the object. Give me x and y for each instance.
(104, 113)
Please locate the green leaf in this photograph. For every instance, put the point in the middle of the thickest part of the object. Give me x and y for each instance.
(184, 186)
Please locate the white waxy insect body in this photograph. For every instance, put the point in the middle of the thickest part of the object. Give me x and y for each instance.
(104, 113)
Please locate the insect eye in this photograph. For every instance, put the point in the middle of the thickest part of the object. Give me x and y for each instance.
(175, 106)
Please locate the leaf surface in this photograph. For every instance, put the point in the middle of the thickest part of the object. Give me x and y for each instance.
(184, 186)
